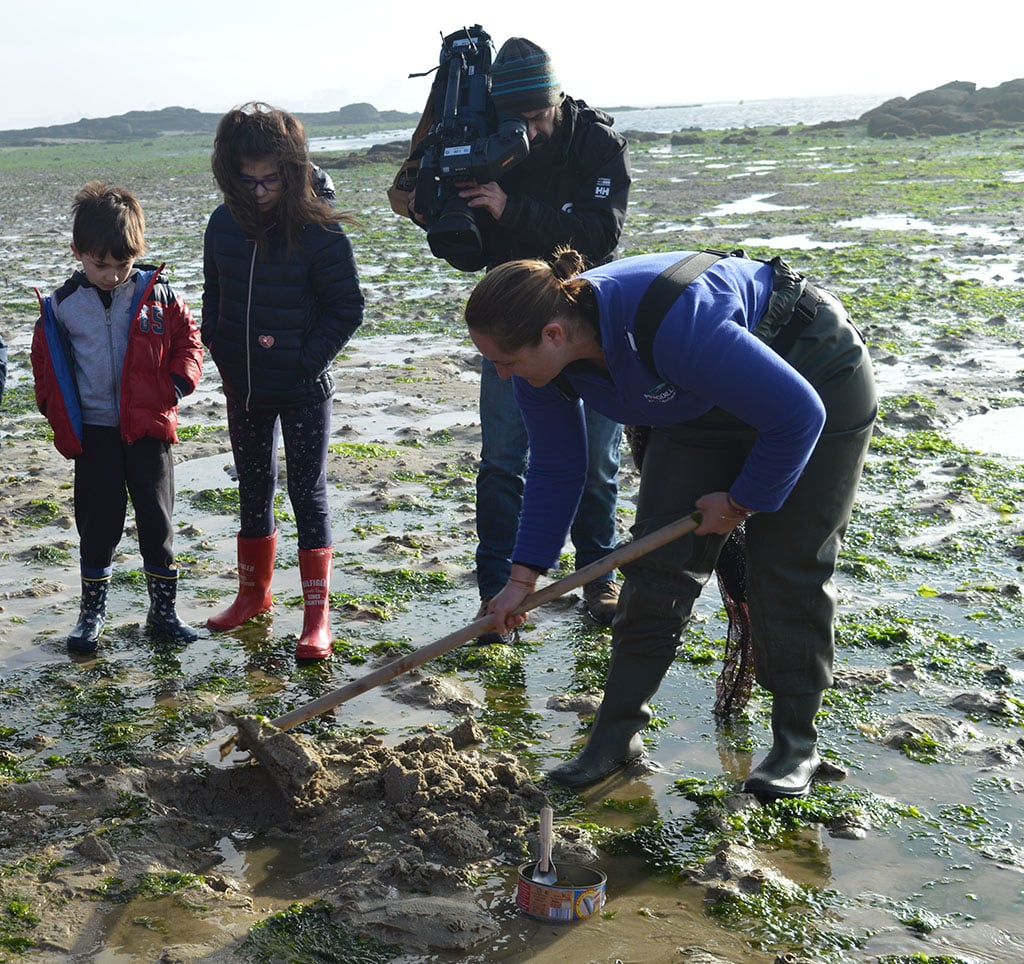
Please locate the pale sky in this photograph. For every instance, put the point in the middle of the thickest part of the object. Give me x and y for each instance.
(63, 60)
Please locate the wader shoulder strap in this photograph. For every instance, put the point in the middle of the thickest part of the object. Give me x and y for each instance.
(662, 293)
(803, 314)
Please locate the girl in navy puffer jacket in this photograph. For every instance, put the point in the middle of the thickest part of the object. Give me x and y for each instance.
(281, 298)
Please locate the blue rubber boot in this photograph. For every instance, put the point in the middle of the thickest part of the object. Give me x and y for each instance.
(162, 623)
(93, 611)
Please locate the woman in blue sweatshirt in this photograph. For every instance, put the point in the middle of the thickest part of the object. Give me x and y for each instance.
(761, 399)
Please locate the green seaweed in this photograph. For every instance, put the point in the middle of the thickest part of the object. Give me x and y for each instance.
(307, 933)
(362, 450)
(17, 919)
(38, 512)
(223, 501)
(776, 913)
(199, 433)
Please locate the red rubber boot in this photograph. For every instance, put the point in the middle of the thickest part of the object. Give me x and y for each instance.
(315, 571)
(255, 569)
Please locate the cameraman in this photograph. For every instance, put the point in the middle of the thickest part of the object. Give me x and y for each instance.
(572, 189)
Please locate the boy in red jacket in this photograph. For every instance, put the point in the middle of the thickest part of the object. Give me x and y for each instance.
(112, 353)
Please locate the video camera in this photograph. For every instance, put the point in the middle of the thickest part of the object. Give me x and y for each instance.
(468, 141)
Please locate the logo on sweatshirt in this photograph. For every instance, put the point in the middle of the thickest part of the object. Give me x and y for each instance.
(661, 393)
(603, 187)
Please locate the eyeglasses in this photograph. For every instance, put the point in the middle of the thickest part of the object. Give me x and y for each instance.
(271, 184)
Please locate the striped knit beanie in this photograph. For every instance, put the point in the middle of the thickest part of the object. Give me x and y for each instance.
(522, 78)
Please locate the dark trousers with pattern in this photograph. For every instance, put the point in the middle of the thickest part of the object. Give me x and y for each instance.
(108, 473)
(306, 431)
(791, 553)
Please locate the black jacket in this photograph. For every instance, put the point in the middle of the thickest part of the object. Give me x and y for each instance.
(571, 192)
(274, 320)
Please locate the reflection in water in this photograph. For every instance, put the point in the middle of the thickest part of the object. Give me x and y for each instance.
(1000, 432)
(907, 222)
(733, 740)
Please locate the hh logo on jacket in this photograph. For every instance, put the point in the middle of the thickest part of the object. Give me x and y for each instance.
(603, 187)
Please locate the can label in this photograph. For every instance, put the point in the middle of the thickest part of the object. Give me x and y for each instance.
(558, 904)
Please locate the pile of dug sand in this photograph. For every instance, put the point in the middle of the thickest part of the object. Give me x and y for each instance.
(391, 836)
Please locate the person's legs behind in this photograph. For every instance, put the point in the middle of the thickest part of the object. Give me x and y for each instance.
(791, 557)
(499, 487)
(594, 530)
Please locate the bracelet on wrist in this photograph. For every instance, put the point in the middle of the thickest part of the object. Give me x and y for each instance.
(522, 582)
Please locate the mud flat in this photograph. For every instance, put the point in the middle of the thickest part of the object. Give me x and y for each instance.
(392, 830)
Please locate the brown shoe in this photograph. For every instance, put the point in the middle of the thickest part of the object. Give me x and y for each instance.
(491, 638)
(601, 600)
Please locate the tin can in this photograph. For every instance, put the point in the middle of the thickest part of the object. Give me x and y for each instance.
(578, 893)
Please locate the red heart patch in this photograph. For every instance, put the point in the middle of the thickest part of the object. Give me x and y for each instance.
(266, 341)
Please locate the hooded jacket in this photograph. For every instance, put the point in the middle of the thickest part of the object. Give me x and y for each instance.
(275, 319)
(124, 366)
(572, 191)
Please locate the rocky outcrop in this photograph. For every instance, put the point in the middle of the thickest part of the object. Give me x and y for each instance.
(950, 109)
(140, 124)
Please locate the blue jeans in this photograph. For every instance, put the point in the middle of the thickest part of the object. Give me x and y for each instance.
(500, 479)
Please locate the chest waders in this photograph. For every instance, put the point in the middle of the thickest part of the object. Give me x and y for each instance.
(660, 589)
(615, 739)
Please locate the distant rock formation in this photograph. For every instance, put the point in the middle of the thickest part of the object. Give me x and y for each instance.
(950, 109)
(181, 120)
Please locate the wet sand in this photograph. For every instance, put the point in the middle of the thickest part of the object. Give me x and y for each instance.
(129, 838)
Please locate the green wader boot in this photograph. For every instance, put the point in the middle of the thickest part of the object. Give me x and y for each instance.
(92, 613)
(162, 623)
(793, 760)
(614, 739)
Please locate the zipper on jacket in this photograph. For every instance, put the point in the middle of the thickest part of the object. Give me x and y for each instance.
(248, 332)
(115, 374)
(139, 300)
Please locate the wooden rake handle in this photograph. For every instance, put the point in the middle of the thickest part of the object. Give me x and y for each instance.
(616, 558)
